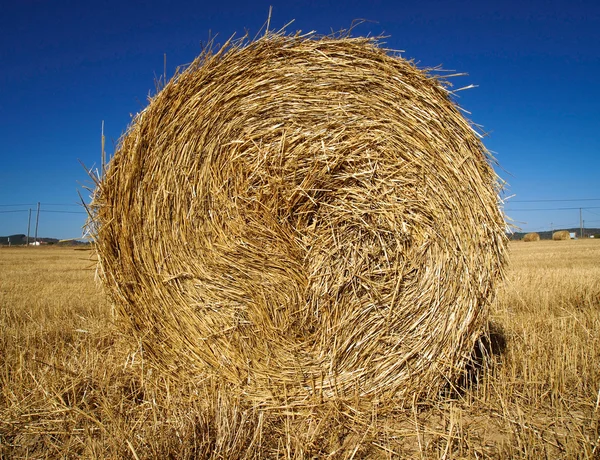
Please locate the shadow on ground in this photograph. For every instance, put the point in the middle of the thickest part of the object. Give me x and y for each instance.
(486, 354)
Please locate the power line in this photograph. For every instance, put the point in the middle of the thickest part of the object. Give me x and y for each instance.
(44, 210)
(551, 201)
(63, 212)
(552, 209)
(21, 204)
(591, 212)
(43, 204)
(61, 204)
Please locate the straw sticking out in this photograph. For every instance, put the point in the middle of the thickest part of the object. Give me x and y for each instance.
(303, 216)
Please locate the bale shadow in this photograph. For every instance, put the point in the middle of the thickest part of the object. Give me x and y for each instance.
(485, 356)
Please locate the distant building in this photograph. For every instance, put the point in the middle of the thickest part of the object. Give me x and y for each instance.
(573, 235)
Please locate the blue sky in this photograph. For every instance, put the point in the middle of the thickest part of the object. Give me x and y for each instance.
(68, 65)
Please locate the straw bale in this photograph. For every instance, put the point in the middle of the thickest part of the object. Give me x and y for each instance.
(303, 216)
(531, 237)
(561, 235)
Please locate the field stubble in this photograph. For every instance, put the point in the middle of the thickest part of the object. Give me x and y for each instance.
(72, 386)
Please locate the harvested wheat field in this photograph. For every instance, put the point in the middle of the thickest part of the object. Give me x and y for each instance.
(307, 218)
(73, 385)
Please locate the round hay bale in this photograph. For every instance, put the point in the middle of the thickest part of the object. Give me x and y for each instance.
(303, 216)
(531, 237)
(561, 235)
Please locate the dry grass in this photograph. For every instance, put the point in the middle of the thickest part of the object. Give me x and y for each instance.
(72, 386)
(308, 218)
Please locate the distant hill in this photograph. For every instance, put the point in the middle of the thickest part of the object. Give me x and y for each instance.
(21, 239)
(548, 234)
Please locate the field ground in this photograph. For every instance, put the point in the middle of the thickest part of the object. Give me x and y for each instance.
(72, 386)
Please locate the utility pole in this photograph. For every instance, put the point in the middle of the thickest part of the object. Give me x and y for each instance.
(580, 224)
(37, 220)
(28, 226)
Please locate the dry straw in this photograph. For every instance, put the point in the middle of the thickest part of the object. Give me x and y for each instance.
(531, 237)
(305, 217)
(561, 235)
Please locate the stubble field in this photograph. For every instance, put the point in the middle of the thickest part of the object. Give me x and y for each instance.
(72, 386)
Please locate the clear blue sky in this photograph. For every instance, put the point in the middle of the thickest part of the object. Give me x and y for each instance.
(68, 65)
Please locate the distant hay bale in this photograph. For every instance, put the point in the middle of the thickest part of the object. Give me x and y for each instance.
(303, 216)
(561, 235)
(531, 237)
